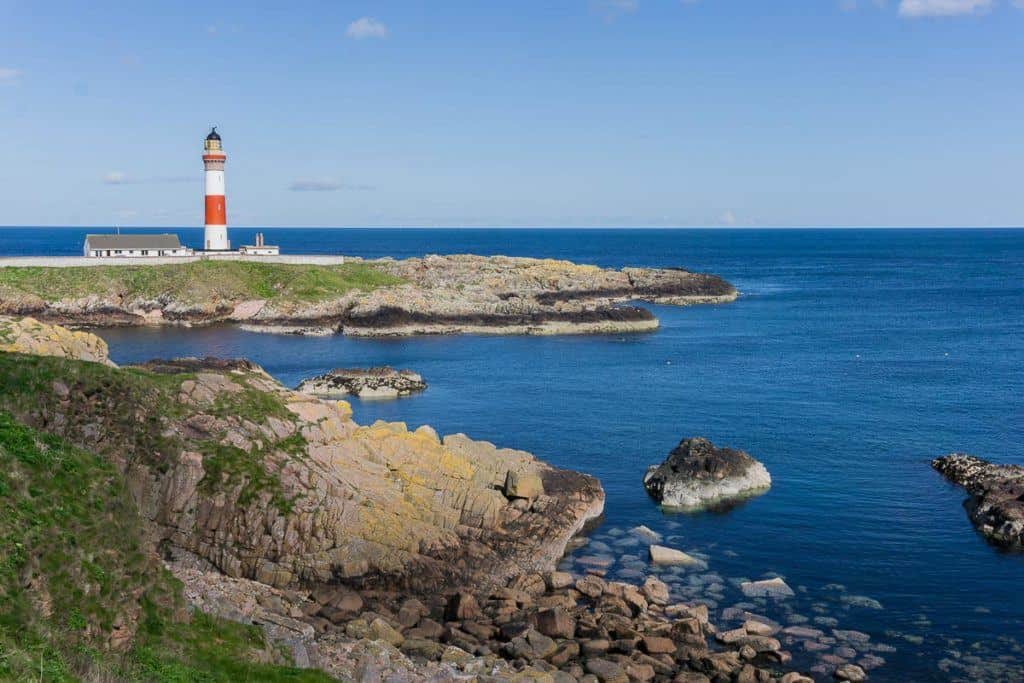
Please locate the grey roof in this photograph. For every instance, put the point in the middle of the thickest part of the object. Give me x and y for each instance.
(137, 241)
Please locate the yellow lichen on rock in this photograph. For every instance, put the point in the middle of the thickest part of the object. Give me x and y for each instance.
(28, 335)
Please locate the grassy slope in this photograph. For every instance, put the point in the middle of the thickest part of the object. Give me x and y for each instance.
(76, 564)
(197, 282)
(131, 406)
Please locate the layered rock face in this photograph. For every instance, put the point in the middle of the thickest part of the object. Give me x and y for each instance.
(28, 335)
(440, 295)
(273, 485)
(697, 474)
(380, 382)
(996, 503)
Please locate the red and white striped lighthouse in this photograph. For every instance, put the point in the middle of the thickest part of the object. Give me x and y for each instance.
(216, 234)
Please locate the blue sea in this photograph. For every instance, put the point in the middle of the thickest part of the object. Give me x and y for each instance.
(851, 359)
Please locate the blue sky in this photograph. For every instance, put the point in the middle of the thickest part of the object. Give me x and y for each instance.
(559, 113)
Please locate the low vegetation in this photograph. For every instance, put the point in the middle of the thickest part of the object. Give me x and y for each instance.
(82, 594)
(195, 282)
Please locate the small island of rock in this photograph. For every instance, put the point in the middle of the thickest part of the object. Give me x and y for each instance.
(697, 474)
(379, 382)
(996, 505)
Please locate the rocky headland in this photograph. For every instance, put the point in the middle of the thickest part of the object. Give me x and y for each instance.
(996, 502)
(699, 474)
(430, 295)
(378, 382)
(362, 551)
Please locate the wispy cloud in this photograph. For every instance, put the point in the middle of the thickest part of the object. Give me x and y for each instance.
(611, 10)
(122, 178)
(727, 218)
(942, 8)
(854, 5)
(366, 27)
(323, 185)
(9, 75)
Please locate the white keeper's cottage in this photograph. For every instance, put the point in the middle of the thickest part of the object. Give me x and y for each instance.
(128, 246)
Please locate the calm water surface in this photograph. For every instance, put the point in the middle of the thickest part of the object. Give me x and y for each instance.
(851, 360)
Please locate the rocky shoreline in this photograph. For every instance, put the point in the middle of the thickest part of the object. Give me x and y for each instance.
(996, 502)
(422, 296)
(372, 552)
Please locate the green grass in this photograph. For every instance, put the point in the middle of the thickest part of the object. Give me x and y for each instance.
(76, 562)
(196, 282)
(131, 407)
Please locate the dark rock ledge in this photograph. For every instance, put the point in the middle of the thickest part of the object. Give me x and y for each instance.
(378, 382)
(996, 502)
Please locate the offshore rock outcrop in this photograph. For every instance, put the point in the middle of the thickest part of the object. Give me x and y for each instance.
(378, 382)
(438, 295)
(996, 502)
(697, 474)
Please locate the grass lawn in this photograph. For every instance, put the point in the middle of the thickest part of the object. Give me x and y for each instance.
(196, 282)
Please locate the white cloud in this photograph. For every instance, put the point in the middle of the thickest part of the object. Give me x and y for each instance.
(9, 75)
(366, 27)
(323, 185)
(122, 178)
(942, 8)
(727, 218)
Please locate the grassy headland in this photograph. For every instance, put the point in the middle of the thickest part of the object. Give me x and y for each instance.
(82, 596)
(195, 282)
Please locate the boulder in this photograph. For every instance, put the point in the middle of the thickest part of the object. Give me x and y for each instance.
(771, 588)
(697, 474)
(656, 591)
(556, 623)
(462, 606)
(526, 485)
(850, 672)
(670, 556)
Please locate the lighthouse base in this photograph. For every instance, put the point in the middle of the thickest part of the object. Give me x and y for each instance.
(215, 238)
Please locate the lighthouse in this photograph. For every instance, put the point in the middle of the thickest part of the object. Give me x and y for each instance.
(215, 237)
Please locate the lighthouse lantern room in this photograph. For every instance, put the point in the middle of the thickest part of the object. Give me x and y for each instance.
(215, 237)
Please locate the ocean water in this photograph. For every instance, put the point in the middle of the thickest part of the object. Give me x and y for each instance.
(852, 359)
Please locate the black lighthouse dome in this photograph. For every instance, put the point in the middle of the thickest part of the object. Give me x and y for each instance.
(214, 135)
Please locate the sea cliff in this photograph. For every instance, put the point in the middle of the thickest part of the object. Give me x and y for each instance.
(430, 295)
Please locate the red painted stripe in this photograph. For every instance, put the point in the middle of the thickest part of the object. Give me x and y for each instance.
(216, 214)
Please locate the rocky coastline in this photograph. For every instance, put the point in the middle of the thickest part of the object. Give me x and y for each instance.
(364, 551)
(417, 296)
(377, 382)
(698, 474)
(996, 502)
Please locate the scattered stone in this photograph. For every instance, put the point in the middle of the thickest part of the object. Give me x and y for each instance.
(850, 672)
(606, 671)
(646, 534)
(773, 588)
(556, 623)
(462, 606)
(656, 591)
(861, 601)
(670, 556)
